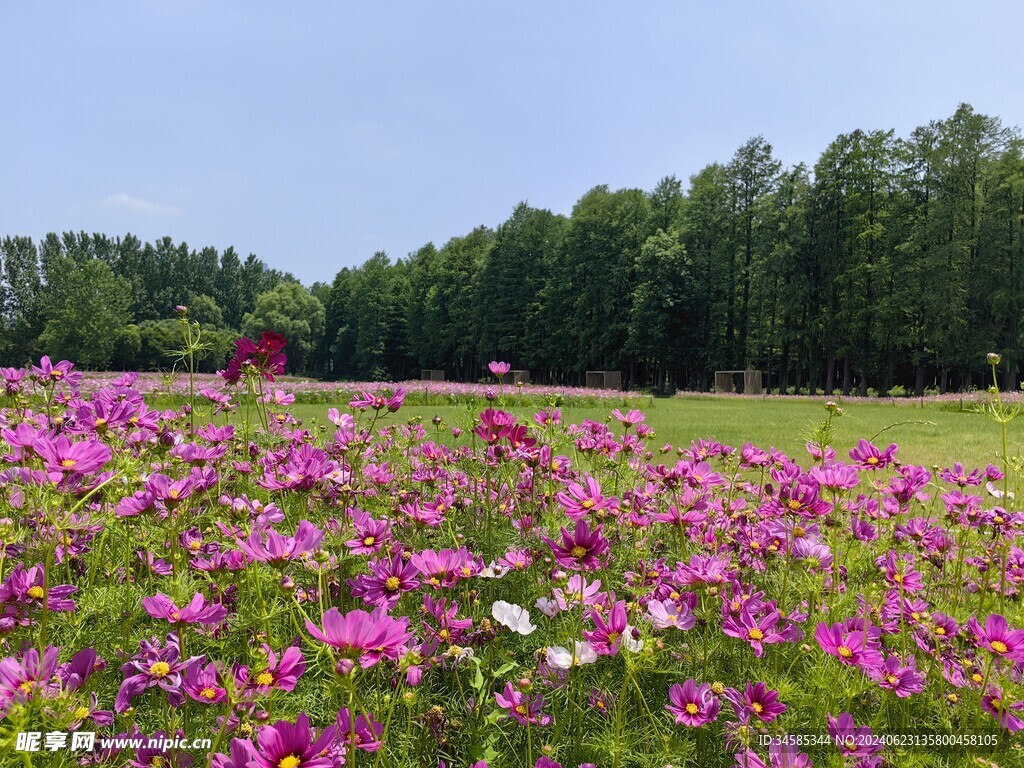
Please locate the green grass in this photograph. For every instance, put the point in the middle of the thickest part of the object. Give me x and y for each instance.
(938, 435)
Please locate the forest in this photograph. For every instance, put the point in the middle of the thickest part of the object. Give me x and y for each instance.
(892, 262)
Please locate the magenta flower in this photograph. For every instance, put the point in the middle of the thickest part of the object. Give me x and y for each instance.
(522, 708)
(665, 614)
(498, 369)
(901, 679)
(853, 741)
(280, 549)
(24, 586)
(387, 580)
(63, 458)
(154, 666)
(850, 647)
(287, 745)
(61, 373)
(998, 638)
(265, 359)
(757, 701)
(203, 684)
(447, 567)
(608, 633)
(693, 705)
(196, 612)
(867, 456)
(279, 674)
(368, 637)
(579, 501)
(1002, 710)
(580, 550)
(20, 679)
(756, 631)
(359, 732)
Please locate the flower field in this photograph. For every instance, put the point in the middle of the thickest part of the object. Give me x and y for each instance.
(525, 592)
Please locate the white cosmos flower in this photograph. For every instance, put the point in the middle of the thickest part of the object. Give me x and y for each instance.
(991, 488)
(515, 617)
(562, 658)
(632, 645)
(494, 571)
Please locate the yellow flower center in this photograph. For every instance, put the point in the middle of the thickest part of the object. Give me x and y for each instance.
(755, 545)
(953, 698)
(174, 493)
(392, 584)
(940, 630)
(755, 634)
(522, 710)
(208, 693)
(718, 687)
(691, 708)
(872, 460)
(589, 504)
(756, 706)
(444, 634)
(81, 713)
(891, 679)
(68, 463)
(289, 762)
(579, 551)
(158, 761)
(976, 677)
(369, 541)
(794, 504)
(27, 686)
(999, 646)
(613, 637)
(898, 578)
(264, 678)
(160, 669)
(36, 593)
(845, 652)
(798, 532)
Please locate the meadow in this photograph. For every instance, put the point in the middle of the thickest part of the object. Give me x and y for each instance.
(221, 575)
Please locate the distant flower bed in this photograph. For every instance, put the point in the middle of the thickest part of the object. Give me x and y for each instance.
(417, 392)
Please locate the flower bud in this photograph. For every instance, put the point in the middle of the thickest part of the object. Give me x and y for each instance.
(345, 667)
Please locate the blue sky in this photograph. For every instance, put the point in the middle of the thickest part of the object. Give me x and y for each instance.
(315, 133)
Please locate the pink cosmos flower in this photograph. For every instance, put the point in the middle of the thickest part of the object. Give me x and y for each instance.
(280, 549)
(997, 637)
(581, 550)
(693, 705)
(756, 631)
(1003, 710)
(854, 741)
(203, 684)
(387, 580)
(196, 612)
(867, 456)
(369, 637)
(280, 674)
(902, 679)
(24, 587)
(498, 369)
(853, 648)
(522, 708)
(287, 745)
(665, 614)
(579, 501)
(757, 701)
(20, 679)
(359, 732)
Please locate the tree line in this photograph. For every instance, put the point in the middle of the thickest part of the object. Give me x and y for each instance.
(891, 262)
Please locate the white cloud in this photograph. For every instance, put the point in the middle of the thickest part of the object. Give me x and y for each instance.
(131, 204)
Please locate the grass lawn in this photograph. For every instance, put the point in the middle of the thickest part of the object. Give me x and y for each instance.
(942, 433)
